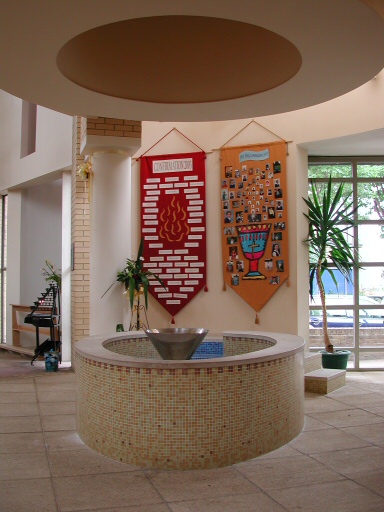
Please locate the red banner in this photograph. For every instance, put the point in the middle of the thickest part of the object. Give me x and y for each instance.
(173, 226)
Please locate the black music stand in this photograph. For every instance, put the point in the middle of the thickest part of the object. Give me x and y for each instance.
(45, 313)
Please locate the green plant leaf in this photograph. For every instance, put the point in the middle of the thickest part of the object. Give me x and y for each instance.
(131, 288)
(330, 216)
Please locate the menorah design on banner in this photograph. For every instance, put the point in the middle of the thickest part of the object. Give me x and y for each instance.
(253, 239)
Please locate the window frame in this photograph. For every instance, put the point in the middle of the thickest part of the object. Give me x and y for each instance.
(356, 307)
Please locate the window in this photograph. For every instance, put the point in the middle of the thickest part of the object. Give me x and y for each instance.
(356, 309)
(3, 266)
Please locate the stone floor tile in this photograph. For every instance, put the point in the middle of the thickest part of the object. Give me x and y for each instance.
(94, 492)
(358, 377)
(372, 388)
(342, 496)
(17, 398)
(348, 461)
(63, 375)
(22, 442)
(84, 462)
(318, 441)
(59, 422)
(23, 465)
(11, 386)
(284, 451)
(10, 424)
(54, 408)
(373, 383)
(137, 508)
(371, 433)
(373, 480)
(43, 386)
(375, 410)
(349, 417)
(300, 470)
(64, 440)
(199, 484)
(19, 409)
(322, 403)
(34, 495)
(311, 423)
(255, 502)
(348, 390)
(364, 400)
(56, 396)
(19, 380)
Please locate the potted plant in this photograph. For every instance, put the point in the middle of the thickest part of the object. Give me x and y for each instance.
(135, 278)
(330, 216)
(52, 274)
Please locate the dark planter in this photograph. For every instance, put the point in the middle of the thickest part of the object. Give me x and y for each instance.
(338, 360)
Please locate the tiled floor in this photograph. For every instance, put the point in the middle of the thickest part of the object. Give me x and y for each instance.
(335, 465)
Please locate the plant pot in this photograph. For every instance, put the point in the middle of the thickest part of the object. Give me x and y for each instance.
(52, 359)
(337, 360)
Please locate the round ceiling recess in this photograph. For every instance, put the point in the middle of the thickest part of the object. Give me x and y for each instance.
(179, 59)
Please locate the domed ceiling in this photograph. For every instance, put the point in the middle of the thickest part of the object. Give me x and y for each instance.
(190, 60)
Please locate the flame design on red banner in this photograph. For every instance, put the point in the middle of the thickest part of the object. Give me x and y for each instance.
(174, 227)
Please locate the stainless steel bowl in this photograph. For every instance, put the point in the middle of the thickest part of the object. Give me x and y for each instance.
(178, 343)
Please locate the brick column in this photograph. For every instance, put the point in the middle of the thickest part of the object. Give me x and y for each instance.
(80, 243)
(90, 136)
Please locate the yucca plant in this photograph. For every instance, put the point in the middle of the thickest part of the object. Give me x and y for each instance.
(135, 278)
(330, 215)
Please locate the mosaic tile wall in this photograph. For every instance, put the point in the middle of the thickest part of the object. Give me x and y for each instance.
(189, 418)
(312, 362)
(324, 386)
(241, 345)
(229, 346)
(133, 347)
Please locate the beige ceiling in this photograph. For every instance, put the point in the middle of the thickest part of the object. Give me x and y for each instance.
(189, 60)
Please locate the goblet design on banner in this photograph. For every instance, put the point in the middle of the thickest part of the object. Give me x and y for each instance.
(253, 239)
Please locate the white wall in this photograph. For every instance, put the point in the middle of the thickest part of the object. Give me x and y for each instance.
(40, 236)
(34, 188)
(66, 232)
(110, 221)
(13, 257)
(217, 309)
(53, 144)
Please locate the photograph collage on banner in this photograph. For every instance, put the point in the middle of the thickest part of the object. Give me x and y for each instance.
(254, 220)
(173, 226)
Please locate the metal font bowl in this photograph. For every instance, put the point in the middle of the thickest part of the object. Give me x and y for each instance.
(179, 343)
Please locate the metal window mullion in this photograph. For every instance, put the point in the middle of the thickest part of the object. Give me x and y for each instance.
(356, 281)
(2, 269)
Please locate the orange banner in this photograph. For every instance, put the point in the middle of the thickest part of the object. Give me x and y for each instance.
(254, 220)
